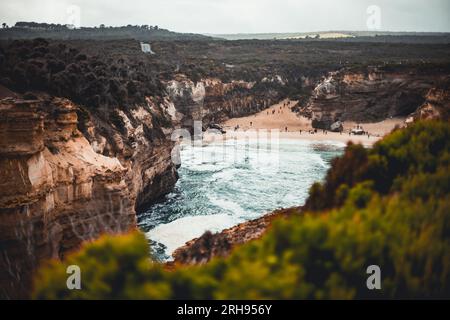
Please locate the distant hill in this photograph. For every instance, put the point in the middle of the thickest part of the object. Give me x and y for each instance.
(354, 36)
(31, 30)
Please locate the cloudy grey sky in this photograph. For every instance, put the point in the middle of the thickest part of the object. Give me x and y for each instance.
(237, 16)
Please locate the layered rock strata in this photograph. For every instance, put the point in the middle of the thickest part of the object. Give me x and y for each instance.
(211, 100)
(371, 95)
(59, 187)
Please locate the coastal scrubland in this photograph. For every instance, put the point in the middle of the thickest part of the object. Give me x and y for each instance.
(126, 102)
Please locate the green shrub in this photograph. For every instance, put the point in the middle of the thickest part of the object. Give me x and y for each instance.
(422, 148)
(111, 268)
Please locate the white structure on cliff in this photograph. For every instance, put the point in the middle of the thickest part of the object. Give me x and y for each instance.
(145, 47)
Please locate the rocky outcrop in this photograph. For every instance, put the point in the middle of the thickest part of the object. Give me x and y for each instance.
(436, 105)
(60, 186)
(371, 95)
(203, 249)
(140, 138)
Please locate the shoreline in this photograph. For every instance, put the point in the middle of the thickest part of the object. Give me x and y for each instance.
(261, 134)
(279, 121)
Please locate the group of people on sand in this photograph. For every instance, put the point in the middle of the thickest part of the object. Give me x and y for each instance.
(286, 104)
(274, 111)
(280, 110)
(311, 131)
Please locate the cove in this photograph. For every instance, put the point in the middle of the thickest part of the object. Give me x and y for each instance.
(225, 183)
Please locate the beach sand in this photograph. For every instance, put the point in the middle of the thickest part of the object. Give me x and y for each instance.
(279, 117)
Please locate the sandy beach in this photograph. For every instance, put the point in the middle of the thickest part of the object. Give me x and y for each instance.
(288, 125)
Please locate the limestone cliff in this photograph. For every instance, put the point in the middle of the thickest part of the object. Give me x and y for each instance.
(211, 100)
(436, 105)
(369, 95)
(60, 187)
(140, 138)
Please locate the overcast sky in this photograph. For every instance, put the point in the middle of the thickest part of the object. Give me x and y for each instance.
(238, 16)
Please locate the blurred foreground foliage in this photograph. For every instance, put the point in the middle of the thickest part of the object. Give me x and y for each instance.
(387, 206)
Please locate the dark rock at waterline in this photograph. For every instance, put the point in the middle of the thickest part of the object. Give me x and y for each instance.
(337, 126)
(209, 245)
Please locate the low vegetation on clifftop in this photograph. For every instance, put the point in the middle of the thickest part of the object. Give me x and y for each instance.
(387, 206)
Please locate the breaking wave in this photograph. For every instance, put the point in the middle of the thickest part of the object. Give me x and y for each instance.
(225, 183)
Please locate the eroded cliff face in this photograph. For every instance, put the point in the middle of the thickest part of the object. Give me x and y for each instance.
(140, 138)
(436, 105)
(370, 95)
(60, 187)
(211, 100)
(69, 174)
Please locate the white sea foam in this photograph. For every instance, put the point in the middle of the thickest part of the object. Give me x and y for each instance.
(229, 182)
(228, 206)
(176, 233)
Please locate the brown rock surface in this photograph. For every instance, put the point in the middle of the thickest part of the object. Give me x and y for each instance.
(58, 189)
(203, 249)
(370, 95)
(211, 100)
(436, 105)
